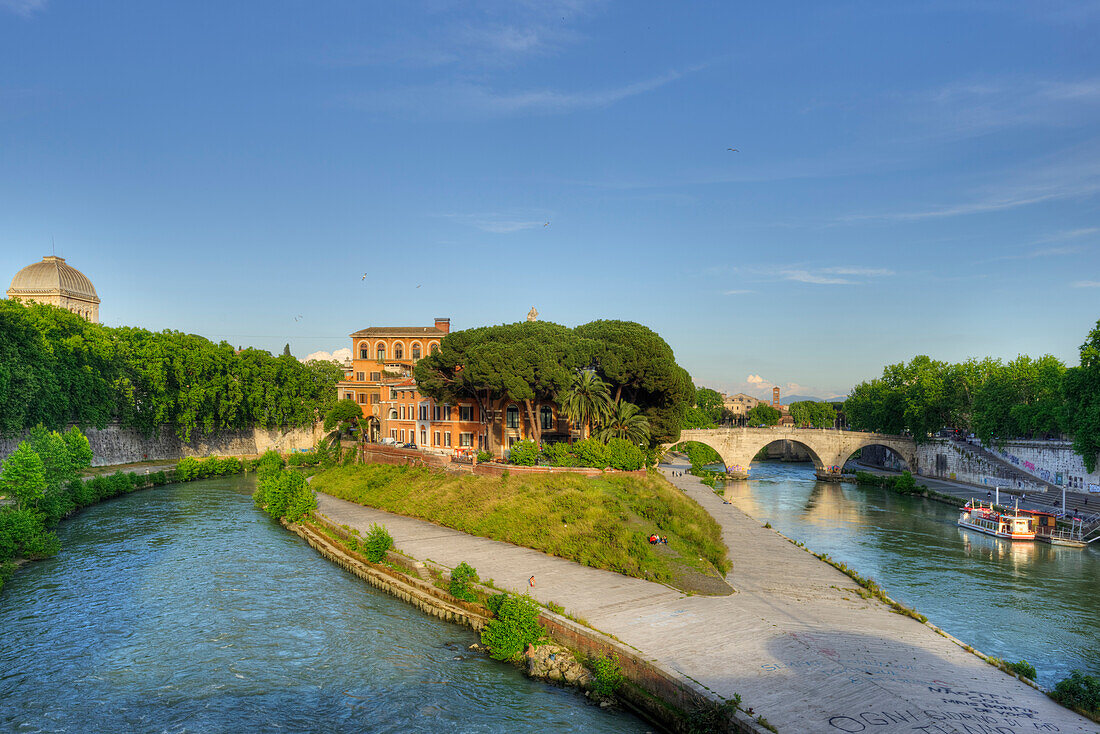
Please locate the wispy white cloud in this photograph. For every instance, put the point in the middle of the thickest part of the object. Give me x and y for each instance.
(476, 100)
(757, 380)
(805, 276)
(24, 8)
(870, 272)
(338, 355)
(497, 223)
(736, 292)
(505, 227)
(1087, 284)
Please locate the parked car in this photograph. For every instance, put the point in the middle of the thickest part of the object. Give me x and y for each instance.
(408, 445)
(388, 441)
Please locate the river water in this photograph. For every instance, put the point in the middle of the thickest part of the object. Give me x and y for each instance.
(185, 609)
(1014, 601)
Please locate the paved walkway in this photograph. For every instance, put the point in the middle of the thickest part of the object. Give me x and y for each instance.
(796, 641)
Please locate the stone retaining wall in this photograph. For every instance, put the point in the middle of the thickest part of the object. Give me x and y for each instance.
(117, 445)
(382, 454)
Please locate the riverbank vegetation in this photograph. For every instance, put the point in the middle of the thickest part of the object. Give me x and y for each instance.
(1025, 397)
(58, 369)
(40, 485)
(281, 493)
(616, 453)
(603, 522)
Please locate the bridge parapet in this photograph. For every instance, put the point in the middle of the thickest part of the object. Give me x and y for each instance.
(829, 448)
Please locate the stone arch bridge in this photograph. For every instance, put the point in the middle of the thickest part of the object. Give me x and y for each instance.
(828, 447)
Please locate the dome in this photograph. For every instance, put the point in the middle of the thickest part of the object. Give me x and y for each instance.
(52, 276)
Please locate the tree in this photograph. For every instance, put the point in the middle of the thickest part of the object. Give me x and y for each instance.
(23, 478)
(586, 402)
(624, 420)
(763, 414)
(813, 413)
(286, 350)
(343, 416)
(1082, 392)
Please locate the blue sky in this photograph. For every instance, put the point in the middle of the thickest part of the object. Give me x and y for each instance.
(910, 177)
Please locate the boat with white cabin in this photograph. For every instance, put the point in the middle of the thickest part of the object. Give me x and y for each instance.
(1008, 524)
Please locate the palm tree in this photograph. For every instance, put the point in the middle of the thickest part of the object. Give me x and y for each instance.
(625, 420)
(586, 401)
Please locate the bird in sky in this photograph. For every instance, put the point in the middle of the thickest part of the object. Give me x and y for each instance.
(298, 317)
(546, 225)
(733, 149)
(364, 277)
(418, 286)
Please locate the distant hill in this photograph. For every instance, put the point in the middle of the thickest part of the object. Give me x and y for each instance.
(799, 398)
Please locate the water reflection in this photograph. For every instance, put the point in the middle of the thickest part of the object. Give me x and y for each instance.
(1014, 600)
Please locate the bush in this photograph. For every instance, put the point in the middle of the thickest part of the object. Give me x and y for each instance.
(283, 493)
(461, 577)
(607, 676)
(524, 453)
(515, 627)
(623, 455)
(159, 479)
(591, 452)
(484, 456)
(558, 454)
(1023, 668)
(376, 543)
(1079, 691)
(268, 465)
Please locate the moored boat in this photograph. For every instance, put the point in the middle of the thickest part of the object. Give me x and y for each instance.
(1010, 524)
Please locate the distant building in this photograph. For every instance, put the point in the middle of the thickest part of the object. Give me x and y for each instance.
(739, 404)
(54, 282)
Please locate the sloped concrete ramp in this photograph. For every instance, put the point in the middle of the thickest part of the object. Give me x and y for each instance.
(795, 641)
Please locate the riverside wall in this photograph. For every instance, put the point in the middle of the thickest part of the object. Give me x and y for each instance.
(118, 445)
(373, 453)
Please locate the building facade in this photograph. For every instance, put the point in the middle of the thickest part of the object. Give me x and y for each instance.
(54, 282)
(739, 404)
(380, 379)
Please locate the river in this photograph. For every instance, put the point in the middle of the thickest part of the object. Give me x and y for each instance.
(185, 609)
(1014, 601)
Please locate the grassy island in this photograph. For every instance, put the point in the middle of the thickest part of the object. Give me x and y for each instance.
(603, 522)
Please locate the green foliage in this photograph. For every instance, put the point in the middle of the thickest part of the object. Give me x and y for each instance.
(56, 369)
(699, 454)
(812, 413)
(763, 414)
(587, 401)
(706, 412)
(524, 453)
(607, 675)
(282, 493)
(344, 415)
(1079, 691)
(559, 454)
(376, 543)
(516, 625)
(461, 577)
(1082, 393)
(484, 457)
(1024, 668)
(190, 468)
(591, 452)
(624, 455)
(23, 477)
(625, 421)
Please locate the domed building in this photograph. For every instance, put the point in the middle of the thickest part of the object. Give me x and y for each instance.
(54, 282)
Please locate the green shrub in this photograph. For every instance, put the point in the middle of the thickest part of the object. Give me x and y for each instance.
(376, 543)
(558, 454)
(187, 469)
(159, 479)
(484, 456)
(607, 675)
(591, 452)
(461, 577)
(515, 627)
(268, 465)
(305, 458)
(523, 453)
(866, 477)
(624, 456)
(1079, 691)
(1023, 668)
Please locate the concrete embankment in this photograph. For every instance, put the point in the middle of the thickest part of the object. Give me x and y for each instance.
(797, 642)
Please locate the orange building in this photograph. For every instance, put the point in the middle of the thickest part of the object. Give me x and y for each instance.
(380, 379)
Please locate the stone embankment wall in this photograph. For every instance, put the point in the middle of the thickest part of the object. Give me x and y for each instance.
(1028, 463)
(117, 445)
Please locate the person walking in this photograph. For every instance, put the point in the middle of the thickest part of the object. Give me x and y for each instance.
(530, 583)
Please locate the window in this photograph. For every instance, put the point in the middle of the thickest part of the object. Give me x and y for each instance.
(547, 416)
(465, 412)
(359, 377)
(375, 376)
(465, 439)
(402, 435)
(446, 412)
(435, 412)
(433, 348)
(393, 414)
(349, 396)
(423, 412)
(393, 394)
(436, 442)
(416, 351)
(402, 412)
(362, 398)
(512, 417)
(398, 351)
(381, 352)
(364, 353)
(423, 438)
(375, 398)
(447, 439)
(393, 433)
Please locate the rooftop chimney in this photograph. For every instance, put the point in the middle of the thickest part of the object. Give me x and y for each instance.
(443, 324)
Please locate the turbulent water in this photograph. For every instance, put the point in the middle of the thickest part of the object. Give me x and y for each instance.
(184, 609)
(1011, 600)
